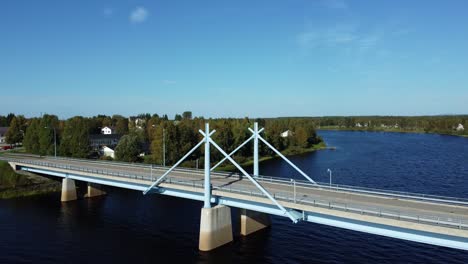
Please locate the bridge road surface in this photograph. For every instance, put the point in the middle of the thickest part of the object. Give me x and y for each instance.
(401, 211)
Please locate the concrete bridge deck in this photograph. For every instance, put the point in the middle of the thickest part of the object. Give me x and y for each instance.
(404, 215)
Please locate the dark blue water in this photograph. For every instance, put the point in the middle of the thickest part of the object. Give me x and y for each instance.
(125, 226)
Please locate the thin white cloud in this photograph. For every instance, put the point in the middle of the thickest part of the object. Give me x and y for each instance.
(346, 35)
(402, 32)
(335, 4)
(139, 15)
(307, 39)
(168, 82)
(328, 37)
(108, 12)
(368, 42)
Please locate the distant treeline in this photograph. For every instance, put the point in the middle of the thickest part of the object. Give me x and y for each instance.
(446, 124)
(181, 134)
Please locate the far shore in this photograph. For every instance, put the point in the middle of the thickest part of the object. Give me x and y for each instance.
(392, 130)
(287, 153)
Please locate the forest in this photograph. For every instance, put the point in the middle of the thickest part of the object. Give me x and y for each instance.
(443, 124)
(147, 133)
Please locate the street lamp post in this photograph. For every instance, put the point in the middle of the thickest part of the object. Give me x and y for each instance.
(330, 172)
(164, 147)
(151, 168)
(294, 186)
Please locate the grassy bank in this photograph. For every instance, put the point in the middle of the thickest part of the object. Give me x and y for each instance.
(288, 152)
(14, 185)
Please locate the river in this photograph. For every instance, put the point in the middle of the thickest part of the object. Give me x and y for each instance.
(125, 226)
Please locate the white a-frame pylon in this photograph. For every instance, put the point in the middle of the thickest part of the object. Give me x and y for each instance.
(207, 140)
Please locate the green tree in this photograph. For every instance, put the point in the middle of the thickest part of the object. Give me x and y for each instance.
(187, 115)
(3, 121)
(121, 125)
(9, 117)
(157, 145)
(128, 148)
(177, 117)
(46, 134)
(172, 143)
(16, 130)
(31, 137)
(75, 138)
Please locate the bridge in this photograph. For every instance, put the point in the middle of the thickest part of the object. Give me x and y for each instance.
(429, 219)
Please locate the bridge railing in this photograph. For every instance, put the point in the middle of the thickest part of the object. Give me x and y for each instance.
(286, 181)
(299, 198)
(299, 183)
(440, 220)
(366, 190)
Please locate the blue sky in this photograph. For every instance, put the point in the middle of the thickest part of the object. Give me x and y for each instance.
(234, 58)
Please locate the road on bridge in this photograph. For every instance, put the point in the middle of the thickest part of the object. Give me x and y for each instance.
(405, 207)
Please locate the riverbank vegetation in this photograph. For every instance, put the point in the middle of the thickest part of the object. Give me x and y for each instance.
(13, 184)
(143, 136)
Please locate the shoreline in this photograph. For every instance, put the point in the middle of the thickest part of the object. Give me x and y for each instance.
(15, 185)
(321, 146)
(390, 131)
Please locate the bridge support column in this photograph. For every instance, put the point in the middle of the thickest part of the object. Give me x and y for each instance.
(68, 190)
(94, 190)
(252, 221)
(215, 227)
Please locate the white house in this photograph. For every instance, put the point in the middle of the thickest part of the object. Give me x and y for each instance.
(3, 131)
(358, 125)
(460, 127)
(139, 122)
(287, 133)
(107, 130)
(108, 152)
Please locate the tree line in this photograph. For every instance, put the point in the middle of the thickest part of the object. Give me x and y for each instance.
(444, 124)
(178, 135)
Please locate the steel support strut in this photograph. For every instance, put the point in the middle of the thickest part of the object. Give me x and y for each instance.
(287, 160)
(286, 212)
(207, 203)
(255, 154)
(232, 153)
(243, 144)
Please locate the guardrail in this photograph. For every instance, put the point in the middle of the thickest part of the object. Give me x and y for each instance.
(458, 223)
(370, 191)
(299, 183)
(286, 181)
(283, 196)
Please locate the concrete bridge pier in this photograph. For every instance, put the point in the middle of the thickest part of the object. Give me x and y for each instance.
(252, 221)
(215, 227)
(94, 190)
(68, 190)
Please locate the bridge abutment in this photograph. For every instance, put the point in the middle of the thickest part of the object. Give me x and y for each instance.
(252, 221)
(215, 227)
(94, 190)
(13, 165)
(68, 190)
